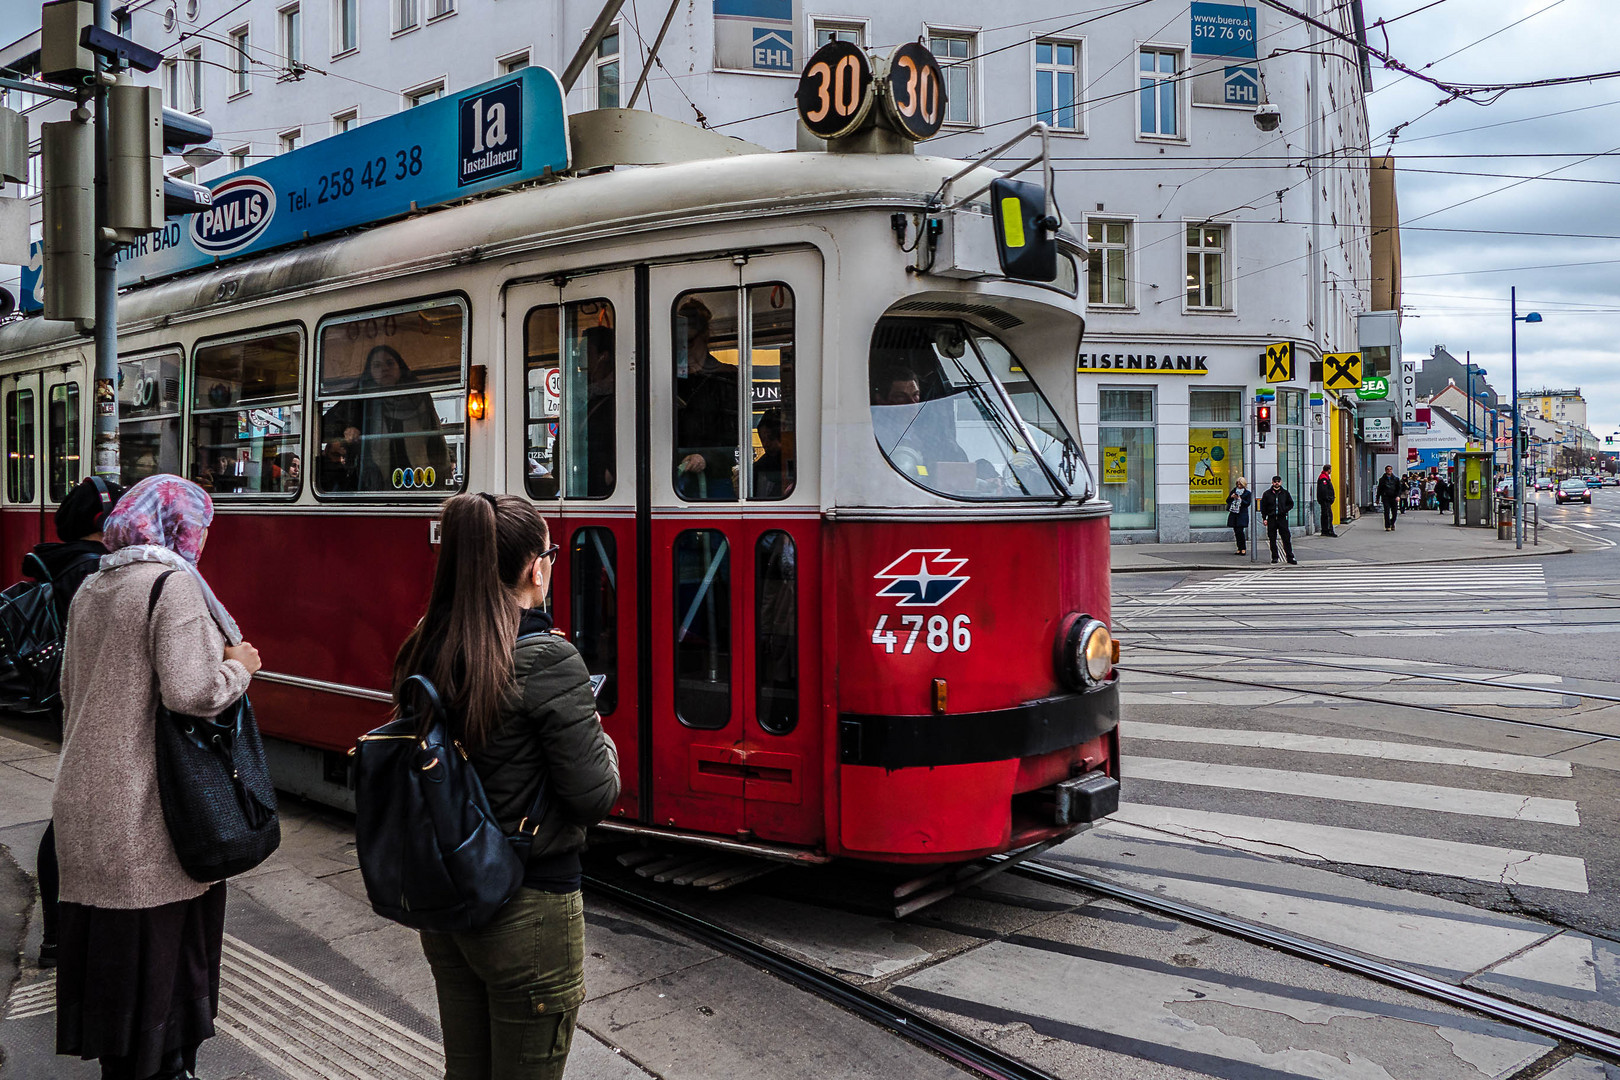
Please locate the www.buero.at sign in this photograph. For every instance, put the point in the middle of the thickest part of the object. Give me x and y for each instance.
(502, 132)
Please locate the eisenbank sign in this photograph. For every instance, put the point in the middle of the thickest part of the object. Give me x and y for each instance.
(1143, 363)
(502, 132)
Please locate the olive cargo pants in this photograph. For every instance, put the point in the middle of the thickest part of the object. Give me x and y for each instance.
(508, 992)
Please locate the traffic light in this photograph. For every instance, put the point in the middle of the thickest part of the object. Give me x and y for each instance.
(67, 162)
(1262, 422)
(135, 160)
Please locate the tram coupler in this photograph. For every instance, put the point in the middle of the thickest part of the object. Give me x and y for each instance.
(1091, 797)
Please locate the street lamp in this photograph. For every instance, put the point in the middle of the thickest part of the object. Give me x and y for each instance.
(1518, 466)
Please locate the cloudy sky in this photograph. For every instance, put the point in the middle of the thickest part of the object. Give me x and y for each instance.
(1456, 282)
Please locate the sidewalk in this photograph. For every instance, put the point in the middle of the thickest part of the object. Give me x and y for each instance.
(1421, 536)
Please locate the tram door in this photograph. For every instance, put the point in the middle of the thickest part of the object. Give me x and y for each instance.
(732, 422)
(25, 522)
(572, 391)
(63, 417)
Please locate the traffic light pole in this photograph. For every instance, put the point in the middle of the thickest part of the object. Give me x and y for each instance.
(104, 452)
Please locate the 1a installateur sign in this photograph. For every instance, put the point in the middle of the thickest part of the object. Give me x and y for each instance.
(499, 133)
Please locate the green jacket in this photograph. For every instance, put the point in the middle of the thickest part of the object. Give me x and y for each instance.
(549, 725)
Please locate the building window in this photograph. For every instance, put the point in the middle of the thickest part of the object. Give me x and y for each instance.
(1057, 84)
(238, 158)
(345, 26)
(833, 30)
(424, 94)
(1214, 453)
(1125, 436)
(194, 80)
(1159, 91)
(345, 121)
(1108, 274)
(171, 83)
(1206, 267)
(955, 53)
(291, 140)
(441, 7)
(606, 67)
(506, 65)
(407, 16)
(291, 24)
(239, 61)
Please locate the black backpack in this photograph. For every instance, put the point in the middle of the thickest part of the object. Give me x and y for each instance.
(432, 855)
(30, 642)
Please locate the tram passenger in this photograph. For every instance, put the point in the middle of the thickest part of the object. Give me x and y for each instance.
(773, 478)
(139, 941)
(519, 699)
(382, 434)
(600, 423)
(705, 413)
(332, 470)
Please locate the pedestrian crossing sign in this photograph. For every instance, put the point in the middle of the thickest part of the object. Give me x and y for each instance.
(1280, 362)
(1341, 371)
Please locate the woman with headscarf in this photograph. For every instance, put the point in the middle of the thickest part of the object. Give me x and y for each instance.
(396, 431)
(138, 940)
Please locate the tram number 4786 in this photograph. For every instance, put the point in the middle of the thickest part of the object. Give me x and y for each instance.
(937, 632)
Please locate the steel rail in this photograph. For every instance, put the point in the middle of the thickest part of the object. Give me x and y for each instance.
(1369, 700)
(1556, 1027)
(1426, 676)
(963, 1050)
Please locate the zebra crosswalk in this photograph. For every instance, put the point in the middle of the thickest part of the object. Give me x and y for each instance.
(1345, 599)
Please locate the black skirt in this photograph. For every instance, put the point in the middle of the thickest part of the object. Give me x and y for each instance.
(139, 984)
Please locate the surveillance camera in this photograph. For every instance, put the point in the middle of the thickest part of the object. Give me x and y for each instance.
(1267, 116)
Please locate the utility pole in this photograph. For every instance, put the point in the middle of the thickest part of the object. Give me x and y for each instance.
(105, 440)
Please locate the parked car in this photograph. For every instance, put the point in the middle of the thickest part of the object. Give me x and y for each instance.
(1573, 490)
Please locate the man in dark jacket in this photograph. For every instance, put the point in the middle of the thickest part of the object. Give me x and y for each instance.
(1389, 492)
(1324, 500)
(1275, 506)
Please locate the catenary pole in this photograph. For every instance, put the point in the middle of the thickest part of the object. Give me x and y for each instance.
(1518, 470)
(652, 53)
(104, 454)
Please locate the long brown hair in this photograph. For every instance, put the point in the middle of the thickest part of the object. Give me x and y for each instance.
(464, 642)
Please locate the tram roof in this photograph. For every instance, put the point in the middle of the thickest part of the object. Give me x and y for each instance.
(597, 207)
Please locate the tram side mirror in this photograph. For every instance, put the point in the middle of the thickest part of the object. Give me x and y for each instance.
(950, 343)
(1026, 239)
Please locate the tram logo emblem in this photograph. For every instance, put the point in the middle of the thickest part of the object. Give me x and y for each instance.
(242, 209)
(922, 577)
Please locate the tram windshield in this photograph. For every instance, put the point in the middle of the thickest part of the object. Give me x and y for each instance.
(955, 412)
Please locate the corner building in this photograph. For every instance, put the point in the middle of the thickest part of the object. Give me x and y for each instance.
(1210, 238)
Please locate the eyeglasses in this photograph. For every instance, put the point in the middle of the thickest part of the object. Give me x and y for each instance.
(549, 553)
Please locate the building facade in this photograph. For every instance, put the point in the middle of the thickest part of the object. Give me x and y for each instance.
(1214, 230)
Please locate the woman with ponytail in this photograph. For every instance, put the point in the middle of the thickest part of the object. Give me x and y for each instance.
(519, 701)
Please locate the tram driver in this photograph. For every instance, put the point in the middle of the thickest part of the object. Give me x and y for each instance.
(916, 432)
(705, 413)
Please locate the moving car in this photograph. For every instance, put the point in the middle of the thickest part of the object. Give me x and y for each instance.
(1594, 481)
(1572, 490)
(1544, 484)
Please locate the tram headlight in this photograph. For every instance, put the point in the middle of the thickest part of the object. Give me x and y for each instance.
(1086, 652)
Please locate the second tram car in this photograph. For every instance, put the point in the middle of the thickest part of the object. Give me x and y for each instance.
(826, 531)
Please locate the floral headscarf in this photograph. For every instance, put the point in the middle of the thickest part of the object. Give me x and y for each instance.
(162, 519)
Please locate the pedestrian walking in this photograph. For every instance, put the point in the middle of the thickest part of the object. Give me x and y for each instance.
(519, 700)
(1275, 506)
(69, 560)
(1324, 500)
(139, 940)
(1389, 492)
(1238, 502)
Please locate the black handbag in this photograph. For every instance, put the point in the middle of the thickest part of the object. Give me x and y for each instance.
(30, 642)
(214, 784)
(432, 854)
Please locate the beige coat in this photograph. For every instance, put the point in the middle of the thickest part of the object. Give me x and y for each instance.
(113, 847)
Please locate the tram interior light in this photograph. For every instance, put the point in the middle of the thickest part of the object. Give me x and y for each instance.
(477, 380)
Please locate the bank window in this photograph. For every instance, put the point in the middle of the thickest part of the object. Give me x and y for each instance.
(1108, 263)
(148, 417)
(776, 632)
(1206, 267)
(247, 416)
(20, 452)
(62, 454)
(1126, 445)
(594, 611)
(1057, 84)
(568, 422)
(956, 55)
(712, 358)
(1158, 91)
(391, 394)
(703, 629)
(829, 30)
(1214, 453)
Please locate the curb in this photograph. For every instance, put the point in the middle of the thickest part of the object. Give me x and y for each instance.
(1239, 565)
(16, 903)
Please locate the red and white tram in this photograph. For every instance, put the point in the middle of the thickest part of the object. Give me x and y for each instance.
(824, 527)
